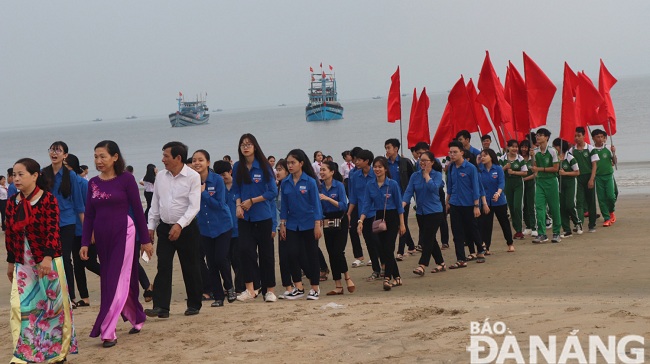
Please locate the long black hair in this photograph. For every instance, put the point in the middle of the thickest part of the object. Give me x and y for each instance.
(73, 162)
(243, 175)
(112, 148)
(65, 189)
(384, 162)
(150, 175)
(300, 156)
(332, 166)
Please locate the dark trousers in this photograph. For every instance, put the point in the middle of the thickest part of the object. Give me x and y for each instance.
(372, 244)
(80, 266)
(387, 241)
(147, 196)
(67, 245)
(406, 239)
(322, 263)
(206, 277)
(428, 225)
(464, 226)
(355, 240)
(285, 267)
(303, 252)
(254, 238)
(444, 226)
(335, 241)
(487, 220)
(217, 251)
(3, 207)
(187, 246)
(235, 262)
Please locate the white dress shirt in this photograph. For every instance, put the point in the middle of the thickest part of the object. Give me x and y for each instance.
(176, 200)
(345, 169)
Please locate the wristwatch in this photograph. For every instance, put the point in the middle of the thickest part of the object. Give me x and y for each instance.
(360, 221)
(475, 205)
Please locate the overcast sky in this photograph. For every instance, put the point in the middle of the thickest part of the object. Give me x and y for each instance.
(65, 61)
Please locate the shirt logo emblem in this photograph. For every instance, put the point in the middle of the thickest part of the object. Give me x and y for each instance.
(462, 174)
(303, 189)
(257, 178)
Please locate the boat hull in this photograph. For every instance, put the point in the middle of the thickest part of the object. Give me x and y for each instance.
(323, 112)
(178, 120)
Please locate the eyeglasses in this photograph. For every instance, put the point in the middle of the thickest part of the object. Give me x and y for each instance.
(424, 160)
(55, 151)
(246, 145)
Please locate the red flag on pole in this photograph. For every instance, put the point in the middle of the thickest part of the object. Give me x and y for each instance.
(606, 112)
(515, 92)
(414, 106)
(588, 100)
(180, 94)
(331, 68)
(444, 134)
(569, 117)
(324, 77)
(311, 69)
(321, 65)
(540, 91)
(462, 116)
(479, 112)
(394, 98)
(419, 127)
(491, 93)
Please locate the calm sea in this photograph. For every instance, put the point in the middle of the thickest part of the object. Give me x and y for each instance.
(279, 129)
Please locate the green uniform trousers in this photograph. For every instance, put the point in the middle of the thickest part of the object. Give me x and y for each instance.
(547, 192)
(529, 205)
(606, 194)
(514, 192)
(586, 199)
(568, 203)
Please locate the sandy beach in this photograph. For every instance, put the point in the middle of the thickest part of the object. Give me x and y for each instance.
(595, 283)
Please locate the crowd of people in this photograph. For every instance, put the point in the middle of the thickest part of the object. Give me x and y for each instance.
(224, 218)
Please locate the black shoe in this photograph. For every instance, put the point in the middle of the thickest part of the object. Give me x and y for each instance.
(217, 303)
(133, 331)
(232, 296)
(109, 344)
(156, 312)
(194, 311)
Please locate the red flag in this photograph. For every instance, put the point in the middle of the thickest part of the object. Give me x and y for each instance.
(588, 100)
(331, 68)
(491, 93)
(462, 116)
(569, 117)
(414, 106)
(321, 65)
(540, 90)
(606, 112)
(479, 112)
(516, 95)
(311, 69)
(324, 77)
(419, 127)
(444, 134)
(180, 94)
(394, 98)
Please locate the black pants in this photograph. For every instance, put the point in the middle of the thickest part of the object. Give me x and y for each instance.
(387, 241)
(235, 263)
(206, 277)
(147, 196)
(487, 220)
(428, 225)
(335, 241)
(3, 207)
(67, 245)
(372, 244)
(187, 246)
(254, 238)
(303, 252)
(355, 240)
(80, 266)
(465, 228)
(285, 267)
(406, 239)
(444, 226)
(322, 263)
(217, 251)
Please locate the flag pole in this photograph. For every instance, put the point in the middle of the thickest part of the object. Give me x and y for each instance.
(401, 142)
(611, 137)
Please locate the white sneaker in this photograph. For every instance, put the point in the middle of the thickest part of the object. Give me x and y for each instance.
(295, 294)
(369, 263)
(534, 234)
(270, 297)
(527, 231)
(245, 296)
(578, 229)
(313, 295)
(284, 295)
(357, 263)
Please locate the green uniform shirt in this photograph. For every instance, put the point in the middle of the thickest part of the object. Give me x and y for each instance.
(605, 164)
(569, 164)
(585, 157)
(517, 165)
(546, 159)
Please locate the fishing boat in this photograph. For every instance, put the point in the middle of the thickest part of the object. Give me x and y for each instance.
(189, 113)
(323, 99)
(131, 117)
(98, 119)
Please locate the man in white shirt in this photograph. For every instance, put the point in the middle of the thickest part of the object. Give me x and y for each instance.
(175, 202)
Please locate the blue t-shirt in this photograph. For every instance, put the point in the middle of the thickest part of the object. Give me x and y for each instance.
(358, 183)
(427, 194)
(336, 192)
(214, 217)
(259, 186)
(72, 205)
(231, 201)
(83, 185)
(375, 199)
(492, 180)
(300, 203)
(463, 186)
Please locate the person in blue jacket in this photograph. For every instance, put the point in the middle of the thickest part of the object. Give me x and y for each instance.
(383, 199)
(215, 227)
(301, 216)
(335, 224)
(425, 185)
(254, 186)
(493, 181)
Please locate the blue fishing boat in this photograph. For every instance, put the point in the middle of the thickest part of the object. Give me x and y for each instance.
(323, 99)
(189, 113)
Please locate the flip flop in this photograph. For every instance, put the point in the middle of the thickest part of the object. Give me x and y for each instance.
(82, 303)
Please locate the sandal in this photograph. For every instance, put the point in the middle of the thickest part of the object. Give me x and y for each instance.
(358, 263)
(439, 268)
(470, 257)
(457, 265)
(387, 285)
(397, 282)
(335, 292)
(323, 275)
(373, 277)
(480, 259)
(82, 303)
(445, 247)
(73, 304)
(412, 252)
(399, 257)
(419, 270)
(487, 252)
(351, 287)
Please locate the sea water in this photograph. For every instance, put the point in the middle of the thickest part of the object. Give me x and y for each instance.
(280, 129)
